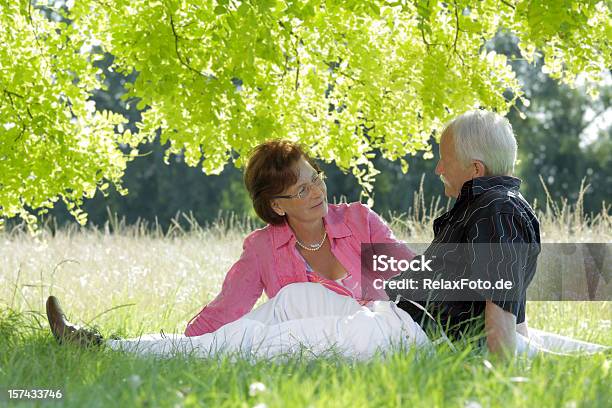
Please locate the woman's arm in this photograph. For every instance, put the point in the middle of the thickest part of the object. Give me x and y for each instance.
(241, 289)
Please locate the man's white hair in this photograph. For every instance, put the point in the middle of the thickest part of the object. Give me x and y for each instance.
(487, 137)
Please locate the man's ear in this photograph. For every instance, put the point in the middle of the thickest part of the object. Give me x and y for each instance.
(479, 169)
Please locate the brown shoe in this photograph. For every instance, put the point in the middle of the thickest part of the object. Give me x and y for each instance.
(64, 331)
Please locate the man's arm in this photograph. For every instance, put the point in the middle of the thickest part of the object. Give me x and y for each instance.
(521, 328)
(498, 244)
(500, 328)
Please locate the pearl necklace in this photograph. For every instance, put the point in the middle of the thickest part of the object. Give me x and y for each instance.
(312, 247)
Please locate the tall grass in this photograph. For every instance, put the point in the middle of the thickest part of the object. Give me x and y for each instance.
(132, 279)
(560, 221)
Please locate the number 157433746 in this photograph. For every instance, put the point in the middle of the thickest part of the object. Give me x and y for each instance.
(33, 393)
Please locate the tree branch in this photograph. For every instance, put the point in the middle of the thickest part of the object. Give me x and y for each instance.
(598, 114)
(297, 58)
(36, 35)
(178, 52)
(10, 95)
(454, 48)
(423, 35)
(421, 26)
(285, 65)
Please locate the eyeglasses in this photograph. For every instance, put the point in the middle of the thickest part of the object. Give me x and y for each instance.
(318, 179)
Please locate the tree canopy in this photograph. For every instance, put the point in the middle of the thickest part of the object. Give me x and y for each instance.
(216, 78)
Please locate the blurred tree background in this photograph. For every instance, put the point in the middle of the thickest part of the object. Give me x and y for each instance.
(564, 135)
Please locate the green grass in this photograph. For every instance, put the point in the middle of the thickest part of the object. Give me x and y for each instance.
(130, 280)
(30, 358)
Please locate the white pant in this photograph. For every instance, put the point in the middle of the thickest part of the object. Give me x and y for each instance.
(308, 318)
(302, 317)
(540, 341)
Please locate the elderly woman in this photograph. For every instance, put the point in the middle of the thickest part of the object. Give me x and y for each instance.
(306, 239)
(308, 244)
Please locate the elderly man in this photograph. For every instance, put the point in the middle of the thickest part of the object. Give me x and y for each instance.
(477, 156)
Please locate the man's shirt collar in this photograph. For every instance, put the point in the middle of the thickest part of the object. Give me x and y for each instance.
(479, 185)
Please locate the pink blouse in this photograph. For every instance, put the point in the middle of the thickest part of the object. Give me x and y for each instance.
(270, 260)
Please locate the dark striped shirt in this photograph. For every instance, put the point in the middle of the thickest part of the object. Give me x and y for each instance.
(490, 212)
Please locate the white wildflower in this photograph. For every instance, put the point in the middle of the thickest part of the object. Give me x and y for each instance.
(134, 381)
(256, 388)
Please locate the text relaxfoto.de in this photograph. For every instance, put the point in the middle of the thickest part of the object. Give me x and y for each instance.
(383, 263)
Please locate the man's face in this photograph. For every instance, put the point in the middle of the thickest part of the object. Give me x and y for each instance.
(452, 172)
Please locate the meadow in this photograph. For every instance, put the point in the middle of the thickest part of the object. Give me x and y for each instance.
(128, 280)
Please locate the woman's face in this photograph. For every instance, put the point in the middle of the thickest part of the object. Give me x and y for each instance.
(314, 204)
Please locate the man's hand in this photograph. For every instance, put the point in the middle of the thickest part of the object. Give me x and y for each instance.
(500, 327)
